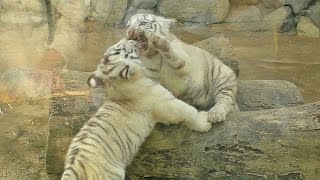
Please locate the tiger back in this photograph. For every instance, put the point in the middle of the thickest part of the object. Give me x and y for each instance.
(107, 142)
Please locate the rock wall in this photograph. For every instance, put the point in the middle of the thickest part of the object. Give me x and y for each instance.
(285, 12)
(64, 25)
(22, 23)
(255, 15)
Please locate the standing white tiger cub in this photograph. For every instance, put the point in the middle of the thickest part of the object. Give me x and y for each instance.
(134, 103)
(190, 73)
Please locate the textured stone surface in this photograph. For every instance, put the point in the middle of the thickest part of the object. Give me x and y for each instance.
(277, 18)
(268, 144)
(144, 4)
(243, 2)
(267, 94)
(315, 13)
(108, 11)
(23, 32)
(244, 14)
(268, 6)
(274, 4)
(220, 47)
(297, 5)
(306, 28)
(204, 11)
(279, 14)
(111, 11)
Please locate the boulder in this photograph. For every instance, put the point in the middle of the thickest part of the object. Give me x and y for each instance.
(29, 8)
(23, 32)
(269, 18)
(66, 118)
(297, 5)
(111, 11)
(315, 13)
(243, 2)
(268, 6)
(267, 94)
(277, 18)
(108, 11)
(144, 4)
(306, 28)
(268, 144)
(202, 11)
(272, 4)
(220, 47)
(243, 14)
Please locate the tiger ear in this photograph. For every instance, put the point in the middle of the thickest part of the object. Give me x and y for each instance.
(127, 72)
(94, 81)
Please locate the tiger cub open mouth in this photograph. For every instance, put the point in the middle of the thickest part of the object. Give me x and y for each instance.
(140, 38)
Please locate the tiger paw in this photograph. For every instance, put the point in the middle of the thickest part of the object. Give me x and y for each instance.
(202, 124)
(217, 115)
(158, 41)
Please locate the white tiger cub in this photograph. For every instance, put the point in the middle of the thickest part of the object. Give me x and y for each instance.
(134, 103)
(190, 73)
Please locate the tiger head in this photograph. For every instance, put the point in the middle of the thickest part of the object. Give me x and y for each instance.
(120, 63)
(139, 23)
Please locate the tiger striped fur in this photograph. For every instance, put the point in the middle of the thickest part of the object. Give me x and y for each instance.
(190, 73)
(107, 143)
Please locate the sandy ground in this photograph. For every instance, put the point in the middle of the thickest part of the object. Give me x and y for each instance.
(262, 55)
(23, 139)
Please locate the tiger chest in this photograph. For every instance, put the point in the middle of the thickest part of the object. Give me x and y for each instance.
(158, 70)
(173, 82)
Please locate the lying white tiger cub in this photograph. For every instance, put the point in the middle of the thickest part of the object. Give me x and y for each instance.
(134, 103)
(190, 73)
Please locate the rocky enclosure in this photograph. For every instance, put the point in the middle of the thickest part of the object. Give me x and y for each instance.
(284, 15)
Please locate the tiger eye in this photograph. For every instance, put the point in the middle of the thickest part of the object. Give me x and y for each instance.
(142, 23)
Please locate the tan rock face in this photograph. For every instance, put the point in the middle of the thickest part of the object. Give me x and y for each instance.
(144, 4)
(23, 11)
(108, 11)
(202, 11)
(244, 2)
(297, 5)
(23, 32)
(315, 13)
(277, 18)
(306, 28)
(244, 14)
(218, 46)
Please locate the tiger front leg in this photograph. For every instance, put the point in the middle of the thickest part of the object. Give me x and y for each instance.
(217, 114)
(201, 123)
(225, 103)
(175, 111)
(160, 43)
